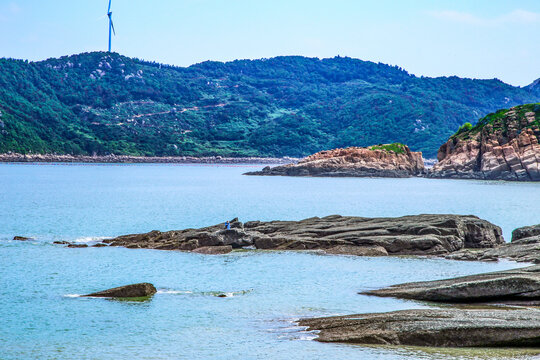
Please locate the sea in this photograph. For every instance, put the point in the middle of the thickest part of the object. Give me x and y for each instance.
(43, 317)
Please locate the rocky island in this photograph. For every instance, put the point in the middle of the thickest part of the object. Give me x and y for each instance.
(501, 146)
(385, 160)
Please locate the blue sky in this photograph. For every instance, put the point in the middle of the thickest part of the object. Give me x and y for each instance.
(473, 38)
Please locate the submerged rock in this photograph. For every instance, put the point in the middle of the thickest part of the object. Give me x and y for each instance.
(22, 238)
(214, 250)
(357, 250)
(61, 242)
(442, 328)
(388, 160)
(128, 291)
(518, 286)
(407, 235)
(502, 146)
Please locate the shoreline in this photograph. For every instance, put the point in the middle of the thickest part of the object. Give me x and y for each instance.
(128, 159)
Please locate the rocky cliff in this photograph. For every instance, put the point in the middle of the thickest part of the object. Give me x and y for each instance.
(389, 160)
(502, 146)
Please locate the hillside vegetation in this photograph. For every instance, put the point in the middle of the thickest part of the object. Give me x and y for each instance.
(101, 103)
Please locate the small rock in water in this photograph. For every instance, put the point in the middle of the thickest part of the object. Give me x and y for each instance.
(221, 295)
(77, 245)
(99, 245)
(127, 291)
(61, 242)
(21, 238)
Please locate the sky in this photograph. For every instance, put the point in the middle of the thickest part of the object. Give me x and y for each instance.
(468, 38)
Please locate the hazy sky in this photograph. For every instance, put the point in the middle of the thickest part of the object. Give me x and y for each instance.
(469, 38)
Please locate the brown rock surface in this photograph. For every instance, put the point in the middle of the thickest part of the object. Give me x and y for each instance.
(353, 162)
(407, 235)
(503, 146)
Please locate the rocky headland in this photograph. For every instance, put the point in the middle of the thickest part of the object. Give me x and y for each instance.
(502, 146)
(389, 160)
(407, 235)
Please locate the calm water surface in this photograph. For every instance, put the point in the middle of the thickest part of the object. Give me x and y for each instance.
(43, 319)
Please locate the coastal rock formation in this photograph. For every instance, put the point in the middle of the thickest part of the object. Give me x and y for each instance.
(391, 160)
(524, 247)
(502, 146)
(518, 286)
(442, 328)
(407, 235)
(128, 291)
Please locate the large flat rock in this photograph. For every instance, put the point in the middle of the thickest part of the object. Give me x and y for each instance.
(440, 328)
(518, 286)
(407, 235)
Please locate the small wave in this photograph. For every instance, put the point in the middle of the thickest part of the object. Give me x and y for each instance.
(165, 291)
(204, 293)
(89, 239)
(72, 295)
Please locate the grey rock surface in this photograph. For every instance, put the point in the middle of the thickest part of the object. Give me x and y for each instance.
(517, 286)
(438, 328)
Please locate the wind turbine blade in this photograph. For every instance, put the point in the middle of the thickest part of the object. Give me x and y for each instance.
(112, 26)
(108, 11)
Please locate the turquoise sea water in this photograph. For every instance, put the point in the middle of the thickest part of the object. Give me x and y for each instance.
(43, 319)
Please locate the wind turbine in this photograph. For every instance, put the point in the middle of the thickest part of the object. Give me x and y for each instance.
(111, 25)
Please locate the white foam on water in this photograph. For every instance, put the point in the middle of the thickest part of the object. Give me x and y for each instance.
(72, 295)
(174, 292)
(90, 239)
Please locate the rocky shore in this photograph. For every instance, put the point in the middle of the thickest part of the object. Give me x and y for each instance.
(13, 157)
(407, 235)
(482, 319)
(502, 146)
(389, 160)
(468, 325)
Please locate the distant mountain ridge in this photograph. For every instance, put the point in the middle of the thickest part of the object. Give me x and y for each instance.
(106, 103)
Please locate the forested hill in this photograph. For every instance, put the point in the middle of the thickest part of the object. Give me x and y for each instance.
(101, 103)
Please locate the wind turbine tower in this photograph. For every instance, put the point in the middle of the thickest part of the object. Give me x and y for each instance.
(111, 25)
